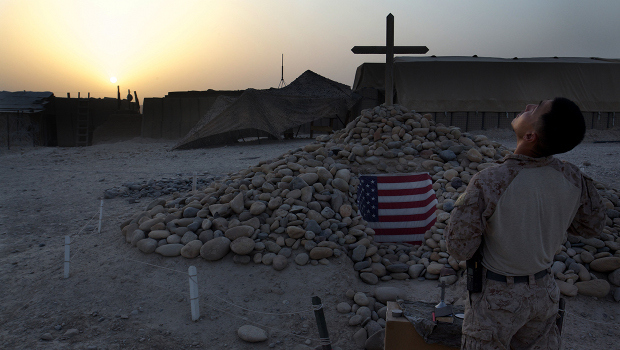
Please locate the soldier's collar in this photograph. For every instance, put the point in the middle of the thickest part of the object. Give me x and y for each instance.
(528, 160)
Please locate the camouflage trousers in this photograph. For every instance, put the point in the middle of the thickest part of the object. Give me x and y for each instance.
(513, 316)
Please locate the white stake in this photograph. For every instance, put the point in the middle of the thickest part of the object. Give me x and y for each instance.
(100, 216)
(67, 259)
(193, 293)
(194, 184)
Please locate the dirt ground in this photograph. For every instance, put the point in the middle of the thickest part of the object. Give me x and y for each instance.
(118, 298)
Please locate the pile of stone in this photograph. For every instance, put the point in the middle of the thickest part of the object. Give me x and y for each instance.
(301, 207)
(156, 188)
(368, 312)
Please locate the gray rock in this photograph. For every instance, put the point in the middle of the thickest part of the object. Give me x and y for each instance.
(385, 294)
(237, 203)
(313, 226)
(447, 155)
(343, 308)
(191, 249)
(359, 253)
(71, 332)
(369, 278)
(360, 338)
(188, 237)
(147, 245)
(239, 231)
(318, 253)
(614, 277)
(361, 265)
(280, 262)
(398, 268)
(190, 212)
(595, 288)
(567, 288)
(605, 264)
(558, 267)
(48, 336)
(302, 259)
(416, 270)
(170, 249)
(242, 245)
(215, 249)
(376, 341)
(361, 299)
(252, 334)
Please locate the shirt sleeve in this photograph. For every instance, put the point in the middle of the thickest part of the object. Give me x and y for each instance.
(463, 234)
(590, 218)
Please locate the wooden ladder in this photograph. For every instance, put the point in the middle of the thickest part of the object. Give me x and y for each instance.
(83, 123)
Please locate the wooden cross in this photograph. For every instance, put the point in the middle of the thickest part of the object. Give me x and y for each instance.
(389, 50)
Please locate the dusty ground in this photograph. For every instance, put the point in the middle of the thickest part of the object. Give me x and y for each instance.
(119, 298)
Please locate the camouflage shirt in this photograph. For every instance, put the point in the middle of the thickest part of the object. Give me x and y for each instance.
(523, 208)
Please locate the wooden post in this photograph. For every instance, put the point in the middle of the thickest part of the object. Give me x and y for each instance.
(193, 293)
(118, 97)
(320, 322)
(100, 216)
(389, 50)
(67, 257)
(389, 60)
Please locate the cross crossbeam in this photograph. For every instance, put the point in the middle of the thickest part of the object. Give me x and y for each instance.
(389, 50)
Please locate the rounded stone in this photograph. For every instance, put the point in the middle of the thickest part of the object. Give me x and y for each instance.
(170, 249)
(385, 294)
(159, 234)
(369, 278)
(605, 264)
(191, 249)
(361, 299)
(147, 245)
(318, 253)
(215, 249)
(279, 262)
(252, 334)
(596, 288)
(302, 259)
(295, 232)
(257, 208)
(567, 289)
(242, 245)
(341, 185)
(239, 231)
(343, 308)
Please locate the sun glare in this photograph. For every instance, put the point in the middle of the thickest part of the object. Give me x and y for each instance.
(113, 80)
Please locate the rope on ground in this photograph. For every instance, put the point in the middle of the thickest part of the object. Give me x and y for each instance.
(261, 312)
(597, 322)
(262, 325)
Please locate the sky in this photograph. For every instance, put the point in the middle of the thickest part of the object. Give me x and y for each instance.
(157, 46)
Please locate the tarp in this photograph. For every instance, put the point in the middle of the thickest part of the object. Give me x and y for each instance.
(445, 84)
(271, 112)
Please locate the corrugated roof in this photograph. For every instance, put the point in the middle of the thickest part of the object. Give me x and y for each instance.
(24, 101)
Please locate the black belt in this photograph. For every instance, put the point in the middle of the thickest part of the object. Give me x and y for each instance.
(517, 279)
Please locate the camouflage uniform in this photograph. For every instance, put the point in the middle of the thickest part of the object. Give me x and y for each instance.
(530, 222)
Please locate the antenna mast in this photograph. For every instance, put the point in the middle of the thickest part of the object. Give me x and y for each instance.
(282, 83)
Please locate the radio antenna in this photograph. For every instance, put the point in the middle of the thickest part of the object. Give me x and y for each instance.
(282, 83)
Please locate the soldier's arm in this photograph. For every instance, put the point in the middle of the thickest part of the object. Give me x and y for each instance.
(464, 232)
(590, 218)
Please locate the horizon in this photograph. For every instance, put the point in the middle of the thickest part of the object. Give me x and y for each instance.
(156, 47)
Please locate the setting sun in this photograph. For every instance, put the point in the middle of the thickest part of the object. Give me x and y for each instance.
(113, 80)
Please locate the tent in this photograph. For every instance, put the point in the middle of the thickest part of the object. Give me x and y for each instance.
(270, 112)
(485, 84)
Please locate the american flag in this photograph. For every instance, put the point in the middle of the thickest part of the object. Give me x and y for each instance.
(399, 207)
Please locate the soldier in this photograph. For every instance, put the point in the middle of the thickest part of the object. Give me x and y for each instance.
(518, 213)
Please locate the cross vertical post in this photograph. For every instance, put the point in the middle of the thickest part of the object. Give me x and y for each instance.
(389, 60)
(389, 50)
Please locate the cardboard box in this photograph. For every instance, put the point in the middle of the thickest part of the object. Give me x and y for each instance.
(401, 335)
